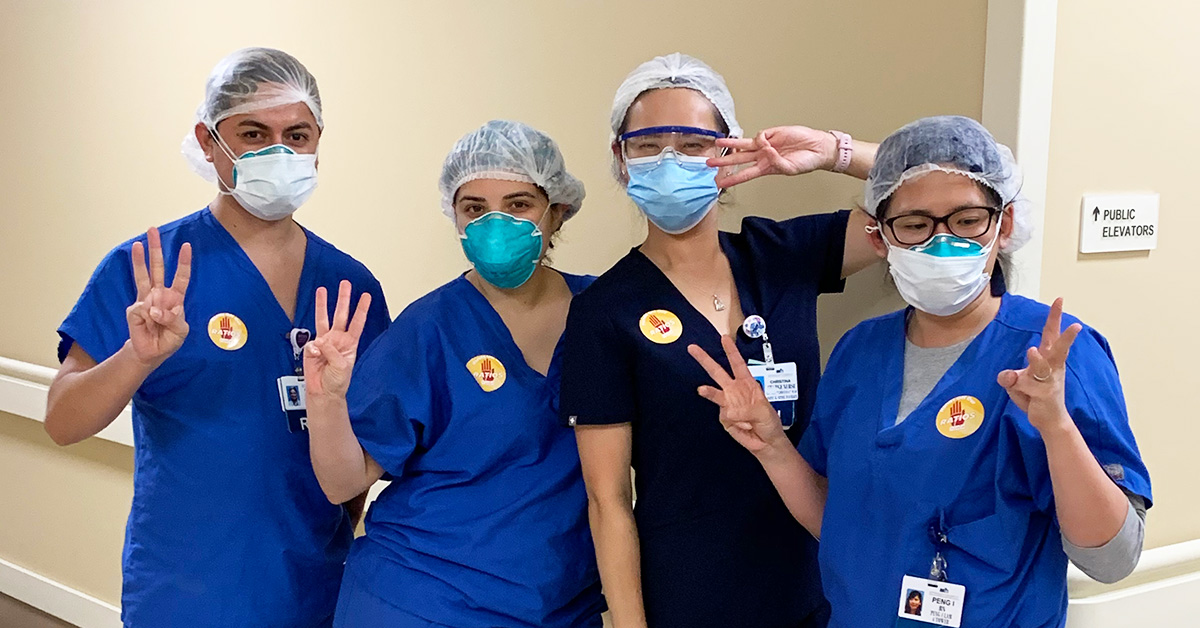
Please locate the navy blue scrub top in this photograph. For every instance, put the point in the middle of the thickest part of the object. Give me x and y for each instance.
(718, 546)
(228, 525)
(485, 521)
(988, 491)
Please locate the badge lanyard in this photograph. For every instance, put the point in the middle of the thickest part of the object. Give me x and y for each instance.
(937, 570)
(298, 337)
(292, 393)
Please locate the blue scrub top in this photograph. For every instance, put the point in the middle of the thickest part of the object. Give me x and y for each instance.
(228, 525)
(989, 492)
(718, 546)
(485, 521)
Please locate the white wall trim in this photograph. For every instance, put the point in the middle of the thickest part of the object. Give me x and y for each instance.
(23, 389)
(1018, 87)
(57, 599)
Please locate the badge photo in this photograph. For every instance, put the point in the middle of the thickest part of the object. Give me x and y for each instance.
(227, 331)
(960, 417)
(925, 602)
(489, 372)
(661, 326)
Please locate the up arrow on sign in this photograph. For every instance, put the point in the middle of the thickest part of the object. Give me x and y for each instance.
(1096, 214)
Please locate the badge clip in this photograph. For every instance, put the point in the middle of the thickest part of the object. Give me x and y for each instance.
(298, 338)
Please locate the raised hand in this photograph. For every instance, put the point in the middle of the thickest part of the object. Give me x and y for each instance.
(157, 326)
(745, 412)
(1039, 388)
(329, 358)
(786, 150)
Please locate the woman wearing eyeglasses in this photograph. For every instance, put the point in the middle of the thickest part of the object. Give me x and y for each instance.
(968, 445)
(710, 542)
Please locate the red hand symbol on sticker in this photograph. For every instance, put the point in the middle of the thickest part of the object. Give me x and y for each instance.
(486, 372)
(659, 325)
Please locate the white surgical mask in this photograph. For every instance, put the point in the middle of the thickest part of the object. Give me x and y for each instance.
(271, 183)
(943, 275)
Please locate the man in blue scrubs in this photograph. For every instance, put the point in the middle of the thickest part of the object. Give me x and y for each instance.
(228, 525)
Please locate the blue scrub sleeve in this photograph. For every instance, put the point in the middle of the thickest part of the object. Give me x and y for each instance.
(809, 248)
(97, 322)
(598, 385)
(814, 443)
(1096, 402)
(394, 394)
(378, 318)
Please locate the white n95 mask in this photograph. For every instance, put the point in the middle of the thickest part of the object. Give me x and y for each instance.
(943, 275)
(271, 183)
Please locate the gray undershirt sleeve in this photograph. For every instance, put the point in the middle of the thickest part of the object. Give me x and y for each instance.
(1116, 559)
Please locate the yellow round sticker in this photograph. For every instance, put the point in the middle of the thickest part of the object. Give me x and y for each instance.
(960, 417)
(488, 371)
(661, 326)
(227, 331)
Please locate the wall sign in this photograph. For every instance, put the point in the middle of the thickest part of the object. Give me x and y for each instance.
(1118, 222)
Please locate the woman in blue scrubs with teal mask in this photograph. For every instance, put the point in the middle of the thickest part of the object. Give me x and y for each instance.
(964, 448)
(484, 523)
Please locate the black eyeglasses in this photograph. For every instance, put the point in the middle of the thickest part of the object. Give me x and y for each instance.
(965, 222)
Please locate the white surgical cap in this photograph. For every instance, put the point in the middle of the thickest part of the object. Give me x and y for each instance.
(953, 144)
(248, 80)
(510, 151)
(673, 70)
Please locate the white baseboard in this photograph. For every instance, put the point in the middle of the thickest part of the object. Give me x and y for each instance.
(59, 600)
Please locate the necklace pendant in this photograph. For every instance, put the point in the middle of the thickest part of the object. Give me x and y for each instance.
(718, 304)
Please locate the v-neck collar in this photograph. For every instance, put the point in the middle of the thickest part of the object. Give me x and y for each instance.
(892, 366)
(740, 282)
(303, 293)
(498, 330)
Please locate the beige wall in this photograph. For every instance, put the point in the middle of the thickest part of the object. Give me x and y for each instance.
(96, 97)
(1124, 119)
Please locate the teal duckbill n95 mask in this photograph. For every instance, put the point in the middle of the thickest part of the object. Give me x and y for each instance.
(504, 249)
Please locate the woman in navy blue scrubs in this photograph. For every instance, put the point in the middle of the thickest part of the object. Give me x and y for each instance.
(971, 445)
(484, 522)
(710, 543)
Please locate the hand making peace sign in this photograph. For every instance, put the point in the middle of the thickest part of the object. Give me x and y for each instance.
(1040, 388)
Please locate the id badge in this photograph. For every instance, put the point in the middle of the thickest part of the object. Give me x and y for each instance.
(924, 602)
(292, 397)
(778, 381)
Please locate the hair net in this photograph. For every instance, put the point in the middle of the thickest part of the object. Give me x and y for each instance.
(510, 151)
(673, 70)
(248, 80)
(952, 144)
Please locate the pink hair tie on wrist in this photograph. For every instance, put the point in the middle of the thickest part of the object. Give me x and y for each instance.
(845, 146)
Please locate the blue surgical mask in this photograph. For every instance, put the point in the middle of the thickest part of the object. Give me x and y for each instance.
(675, 191)
(504, 249)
